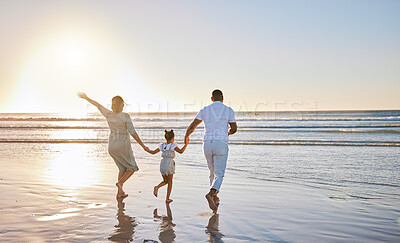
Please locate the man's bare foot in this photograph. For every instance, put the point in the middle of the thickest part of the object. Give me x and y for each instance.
(155, 191)
(120, 191)
(168, 200)
(216, 209)
(216, 200)
(210, 201)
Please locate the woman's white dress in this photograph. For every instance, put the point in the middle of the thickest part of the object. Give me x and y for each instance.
(119, 143)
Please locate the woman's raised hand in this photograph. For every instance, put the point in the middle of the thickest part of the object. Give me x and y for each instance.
(82, 95)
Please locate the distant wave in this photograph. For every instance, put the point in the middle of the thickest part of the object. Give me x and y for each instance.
(91, 119)
(235, 142)
(324, 131)
(99, 119)
(324, 126)
(397, 118)
(49, 119)
(242, 128)
(382, 129)
(53, 127)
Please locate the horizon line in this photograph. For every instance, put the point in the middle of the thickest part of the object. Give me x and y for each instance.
(261, 111)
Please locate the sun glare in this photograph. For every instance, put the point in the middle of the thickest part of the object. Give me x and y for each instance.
(61, 65)
(72, 167)
(75, 53)
(57, 69)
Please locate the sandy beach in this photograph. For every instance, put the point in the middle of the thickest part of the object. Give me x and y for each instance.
(40, 204)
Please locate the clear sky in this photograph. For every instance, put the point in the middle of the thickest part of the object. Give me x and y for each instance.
(170, 55)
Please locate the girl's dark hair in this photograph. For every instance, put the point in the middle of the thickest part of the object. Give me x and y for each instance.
(169, 135)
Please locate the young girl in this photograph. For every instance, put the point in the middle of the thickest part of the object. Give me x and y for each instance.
(167, 166)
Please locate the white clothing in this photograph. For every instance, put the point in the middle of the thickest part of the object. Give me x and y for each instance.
(216, 153)
(119, 143)
(216, 117)
(167, 165)
(165, 146)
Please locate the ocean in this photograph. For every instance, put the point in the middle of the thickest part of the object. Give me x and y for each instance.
(331, 149)
(346, 156)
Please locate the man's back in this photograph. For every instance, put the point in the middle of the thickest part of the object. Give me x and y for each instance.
(216, 118)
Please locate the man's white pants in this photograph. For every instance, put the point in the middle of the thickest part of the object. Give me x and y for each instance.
(216, 153)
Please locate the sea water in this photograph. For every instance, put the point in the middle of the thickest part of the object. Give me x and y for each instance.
(357, 150)
(343, 155)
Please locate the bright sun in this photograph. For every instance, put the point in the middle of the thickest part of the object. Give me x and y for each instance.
(67, 63)
(76, 54)
(60, 67)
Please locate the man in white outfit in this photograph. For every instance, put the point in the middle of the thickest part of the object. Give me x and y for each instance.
(217, 118)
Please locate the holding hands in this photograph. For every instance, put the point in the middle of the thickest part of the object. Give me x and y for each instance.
(146, 149)
(177, 149)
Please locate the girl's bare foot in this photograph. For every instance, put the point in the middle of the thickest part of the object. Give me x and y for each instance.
(169, 200)
(155, 191)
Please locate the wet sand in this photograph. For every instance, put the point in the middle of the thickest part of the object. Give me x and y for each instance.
(66, 193)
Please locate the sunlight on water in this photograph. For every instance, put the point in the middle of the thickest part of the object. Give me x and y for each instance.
(72, 167)
(70, 210)
(57, 216)
(72, 133)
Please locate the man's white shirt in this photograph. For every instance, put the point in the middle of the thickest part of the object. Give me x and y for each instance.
(216, 117)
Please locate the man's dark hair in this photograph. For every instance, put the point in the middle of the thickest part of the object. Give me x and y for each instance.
(217, 95)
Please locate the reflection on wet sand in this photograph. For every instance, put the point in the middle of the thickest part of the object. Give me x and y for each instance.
(212, 229)
(125, 229)
(167, 233)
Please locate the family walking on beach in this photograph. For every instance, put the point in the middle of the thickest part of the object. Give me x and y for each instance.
(219, 121)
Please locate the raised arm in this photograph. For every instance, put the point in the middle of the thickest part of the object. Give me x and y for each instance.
(85, 97)
(192, 127)
(233, 128)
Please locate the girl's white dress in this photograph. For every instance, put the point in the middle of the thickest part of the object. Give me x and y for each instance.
(167, 165)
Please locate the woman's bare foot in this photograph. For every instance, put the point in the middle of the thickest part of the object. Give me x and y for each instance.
(120, 191)
(168, 200)
(155, 191)
(211, 203)
(122, 195)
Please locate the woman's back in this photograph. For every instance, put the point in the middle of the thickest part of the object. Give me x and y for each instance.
(119, 123)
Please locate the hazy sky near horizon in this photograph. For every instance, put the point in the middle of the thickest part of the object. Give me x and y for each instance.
(170, 55)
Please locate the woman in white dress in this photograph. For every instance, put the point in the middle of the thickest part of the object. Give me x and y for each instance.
(119, 144)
